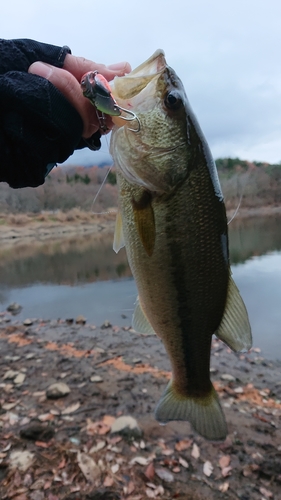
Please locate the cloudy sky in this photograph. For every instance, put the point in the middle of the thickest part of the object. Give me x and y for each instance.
(227, 53)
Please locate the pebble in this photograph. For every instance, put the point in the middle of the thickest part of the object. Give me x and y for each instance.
(127, 426)
(80, 320)
(28, 322)
(10, 374)
(106, 324)
(20, 378)
(96, 378)
(57, 390)
(227, 377)
(14, 308)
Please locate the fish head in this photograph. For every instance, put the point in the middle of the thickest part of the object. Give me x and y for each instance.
(151, 151)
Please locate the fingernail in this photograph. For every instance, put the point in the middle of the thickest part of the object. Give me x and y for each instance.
(41, 69)
(121, 66)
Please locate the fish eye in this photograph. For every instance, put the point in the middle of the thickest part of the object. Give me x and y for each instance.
(173, 101)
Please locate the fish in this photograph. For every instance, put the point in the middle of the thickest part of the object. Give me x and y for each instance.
(172, 221)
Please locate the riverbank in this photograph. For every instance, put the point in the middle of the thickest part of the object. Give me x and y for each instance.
(60, 225)
(64, 447)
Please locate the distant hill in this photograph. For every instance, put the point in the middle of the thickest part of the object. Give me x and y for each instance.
(70, 186)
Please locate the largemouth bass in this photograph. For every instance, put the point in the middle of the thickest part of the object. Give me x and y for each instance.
(173, 223)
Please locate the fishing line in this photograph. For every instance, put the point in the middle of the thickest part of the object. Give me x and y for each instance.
(240, 200)
(100, 188)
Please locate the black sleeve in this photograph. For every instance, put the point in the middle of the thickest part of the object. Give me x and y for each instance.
(38, 126)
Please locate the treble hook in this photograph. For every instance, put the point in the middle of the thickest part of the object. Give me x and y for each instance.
(134, 117)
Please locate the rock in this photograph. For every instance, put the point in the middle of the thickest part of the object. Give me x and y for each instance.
(69, 321)
(227, 377)
(80, 320)
(20, 378)
(14, 308)
(126, 426)
(10, 375)
(96, 378)
(106, 324)
(57, 390)
(28, 322)
(37, 432)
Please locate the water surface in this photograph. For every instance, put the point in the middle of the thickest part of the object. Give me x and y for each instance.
(84, 276)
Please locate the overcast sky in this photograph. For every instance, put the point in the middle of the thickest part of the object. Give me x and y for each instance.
(226, 52)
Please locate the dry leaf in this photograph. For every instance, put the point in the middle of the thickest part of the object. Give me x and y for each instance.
(88, 467)
(164, 474)
(149, 471)
(9, 406)
(150, 493)
(184, 444)
(266, 493)
(224, 487)
(70, 409)
(195, 453)
(114, 468)
(46, 417)
(21, 460)
(99, 446)
(183, 462)
(140, 461)
(208, 468)
(108, 481)
(225, 471)
(224, 461)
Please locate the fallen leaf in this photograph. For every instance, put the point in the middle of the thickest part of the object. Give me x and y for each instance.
(149, 471)
(45, 417)
(42, 444)
(208, 468)
(224, 461)
(108, 481)
(164, 474)
(140, 461)
(88, 467)
(21, 460)
(114, 468)
(224, 487)
(99, 446)
(183, 462)
(71, 408)
(195, 453)
(266, 493)
(225, 471)
(150, 493)
(184, 444)
(9, 406)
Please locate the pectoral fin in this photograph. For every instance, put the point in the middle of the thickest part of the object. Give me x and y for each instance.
(235, 329)
(145, 221)
(140, 322)
(118, 241)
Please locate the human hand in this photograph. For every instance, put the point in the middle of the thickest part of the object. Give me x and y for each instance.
(67, 80)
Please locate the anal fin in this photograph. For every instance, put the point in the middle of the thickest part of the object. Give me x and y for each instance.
(235, 329)
(140, 322)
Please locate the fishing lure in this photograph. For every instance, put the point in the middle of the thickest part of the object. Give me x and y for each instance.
(97, 89)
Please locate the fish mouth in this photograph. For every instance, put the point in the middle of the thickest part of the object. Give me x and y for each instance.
(126, 87)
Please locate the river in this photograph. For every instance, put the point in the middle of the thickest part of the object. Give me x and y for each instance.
(63, 279)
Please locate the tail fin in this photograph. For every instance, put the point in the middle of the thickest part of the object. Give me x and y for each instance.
(204, 414)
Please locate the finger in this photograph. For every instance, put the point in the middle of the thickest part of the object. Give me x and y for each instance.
(78, 66)
(67, 84)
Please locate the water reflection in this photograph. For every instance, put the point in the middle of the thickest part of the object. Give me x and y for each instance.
(70, 261)
(90, 258)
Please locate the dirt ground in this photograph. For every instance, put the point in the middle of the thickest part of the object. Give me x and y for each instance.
(65, 448)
